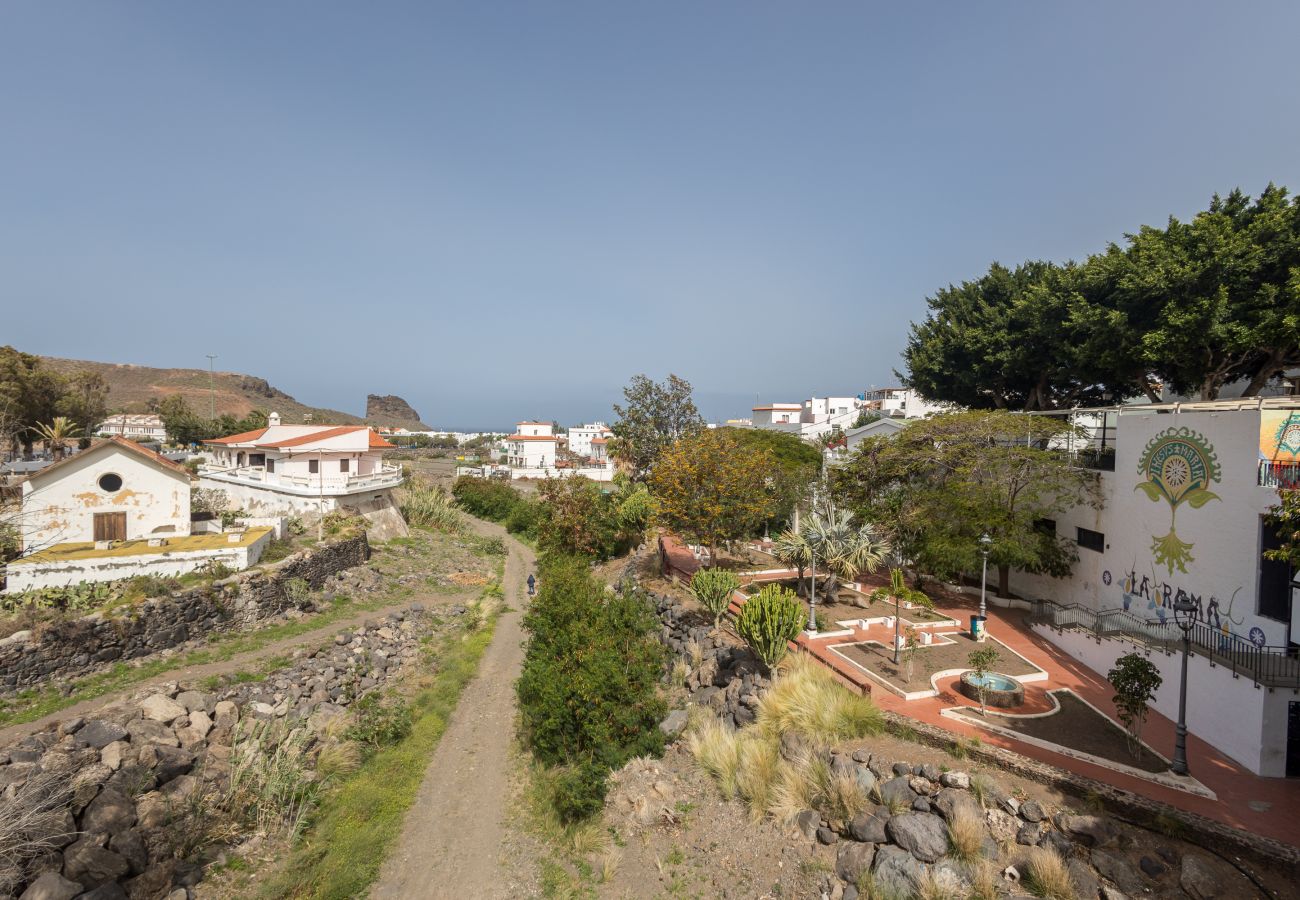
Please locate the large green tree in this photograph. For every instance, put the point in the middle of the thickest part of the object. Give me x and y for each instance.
(795, 464)
(655, 415)
(940, 483)
(710, 488)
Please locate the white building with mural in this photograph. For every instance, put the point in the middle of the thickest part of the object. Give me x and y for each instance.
(1185, 490)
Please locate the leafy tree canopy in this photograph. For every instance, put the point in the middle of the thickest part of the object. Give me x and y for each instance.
(1194, 305)
(656, 414)
(796, 463)
(940, 483)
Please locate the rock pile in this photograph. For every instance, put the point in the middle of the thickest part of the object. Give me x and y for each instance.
(108, 806)
(901, 840)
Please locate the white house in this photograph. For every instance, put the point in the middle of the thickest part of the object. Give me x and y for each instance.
(140, 427)
(116, 510)
(777, 414)
(899, 402)
(532, 446)
(313, 469)
(600, 450)
(1185, 488)
(814, 418)
(581, 436)
(855, 436)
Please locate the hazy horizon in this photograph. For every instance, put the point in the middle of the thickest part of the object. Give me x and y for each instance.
(505, 212)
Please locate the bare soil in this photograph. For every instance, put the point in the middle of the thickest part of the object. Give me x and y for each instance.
(929, 659)
(1078, 726)
(455, 837)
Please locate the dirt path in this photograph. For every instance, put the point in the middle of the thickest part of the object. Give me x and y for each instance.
(453, 839)
(236, 663)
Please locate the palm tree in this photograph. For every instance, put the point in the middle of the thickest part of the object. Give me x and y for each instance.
(791, 548)
(843, 548)
(57, 433)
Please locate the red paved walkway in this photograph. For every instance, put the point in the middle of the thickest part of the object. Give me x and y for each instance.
(1277, 800)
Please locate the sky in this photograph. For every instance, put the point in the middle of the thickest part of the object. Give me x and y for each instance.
(503, 211)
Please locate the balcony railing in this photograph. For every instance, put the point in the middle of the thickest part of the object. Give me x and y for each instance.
(334, 482)
(1281, 475)
(1270, 666)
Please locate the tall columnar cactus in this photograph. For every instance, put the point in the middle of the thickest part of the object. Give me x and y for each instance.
(713, 588)
(769, 621)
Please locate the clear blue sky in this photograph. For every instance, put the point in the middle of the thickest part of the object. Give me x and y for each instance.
(504, 210)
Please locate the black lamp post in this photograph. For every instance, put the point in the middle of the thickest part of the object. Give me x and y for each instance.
(1185, 616)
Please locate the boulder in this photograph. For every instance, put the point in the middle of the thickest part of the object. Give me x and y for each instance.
(1118, 870)
(153, 883)
(1003, 826)
(109, 890)
(147, 731)
(674, 723)
(108, 813)
(896, 792)
(1032, 811)
(51, 886)
(195, 701)
(924, 835)
(161, 708)
(806, 823)
(1030, 833)
(1151, 867)
(870, 826)
(167, 762)
(1198, 878)
(951, 801)
(852, 859)
(897, 870)
(1091, 831)
(92, 865)
(959, 780)
(130, 844)
(827, 836)
(194, 733)
(866, 779)
(1085, 881)
(100, 734)
(115, 753)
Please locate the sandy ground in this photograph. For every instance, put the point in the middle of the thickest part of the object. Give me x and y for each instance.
(455, 838)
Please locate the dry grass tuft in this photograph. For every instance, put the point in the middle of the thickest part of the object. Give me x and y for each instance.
(966, 836)
(338, 760)
(934, 887)
(758, 771)
(1048, 876)
(984, 881)
(717, 749)
(808, 701)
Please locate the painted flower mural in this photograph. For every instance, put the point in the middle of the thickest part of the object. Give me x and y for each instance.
(1179, 466)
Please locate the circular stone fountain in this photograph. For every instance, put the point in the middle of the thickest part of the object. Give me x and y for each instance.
(1000, 691)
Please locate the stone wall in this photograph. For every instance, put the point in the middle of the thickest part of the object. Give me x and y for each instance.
(76, 647)
(108, 804)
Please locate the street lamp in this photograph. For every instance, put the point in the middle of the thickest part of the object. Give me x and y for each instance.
(1185, 616)
(985, 541)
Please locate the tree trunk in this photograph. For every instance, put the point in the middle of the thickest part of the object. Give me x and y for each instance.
(1004, 581)
(1272, 367)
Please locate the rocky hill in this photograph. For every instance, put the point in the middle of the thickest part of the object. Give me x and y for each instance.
(394, 412)
(132, 387)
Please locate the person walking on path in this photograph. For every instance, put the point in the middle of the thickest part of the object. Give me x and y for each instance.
(532, 585)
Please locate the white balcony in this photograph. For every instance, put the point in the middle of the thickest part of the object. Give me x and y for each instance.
(330, 484)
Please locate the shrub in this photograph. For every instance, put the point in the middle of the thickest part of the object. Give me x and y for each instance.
(1136, 680)
(769, 621)
(296, 590)
(713, 588)
(980, 662)
(426, 505)
(588, 692)
(485, 498)
(379, 724)
(809, 702)
(579, 793)
(525, 519)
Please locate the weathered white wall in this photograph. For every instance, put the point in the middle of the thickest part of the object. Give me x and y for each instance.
(1240, 720)
(595, 473)
(61, 507)
(1224, 533)
(377, 507)
(29, 576)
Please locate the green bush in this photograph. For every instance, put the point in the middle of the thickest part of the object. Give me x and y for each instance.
(379, 724)
(769, 621)
(579, 793)
(588, 693)
(487, 499)
(526, 518)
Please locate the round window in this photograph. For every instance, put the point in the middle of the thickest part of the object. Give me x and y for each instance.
(110, 483)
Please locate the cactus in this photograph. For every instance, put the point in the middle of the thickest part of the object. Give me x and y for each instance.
(713, 588)
(769, 621)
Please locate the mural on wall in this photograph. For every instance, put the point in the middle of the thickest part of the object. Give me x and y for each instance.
(1148, 592)
(1279, 448)
(1179, 466)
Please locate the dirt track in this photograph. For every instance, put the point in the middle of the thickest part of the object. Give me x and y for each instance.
(454, 837)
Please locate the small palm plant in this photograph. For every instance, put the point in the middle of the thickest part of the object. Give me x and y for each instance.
(57, 434)
(844, 548)
(793, 550)
(713, 588)
(900, 593)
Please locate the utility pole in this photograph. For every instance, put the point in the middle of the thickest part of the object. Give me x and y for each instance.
(212, 387)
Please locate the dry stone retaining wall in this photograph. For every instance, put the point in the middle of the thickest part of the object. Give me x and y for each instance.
(80, 646)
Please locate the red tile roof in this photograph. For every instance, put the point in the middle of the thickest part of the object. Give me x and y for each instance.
(132, 446)
(242, 438)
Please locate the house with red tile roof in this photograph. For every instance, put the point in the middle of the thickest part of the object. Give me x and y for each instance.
(285, 469)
